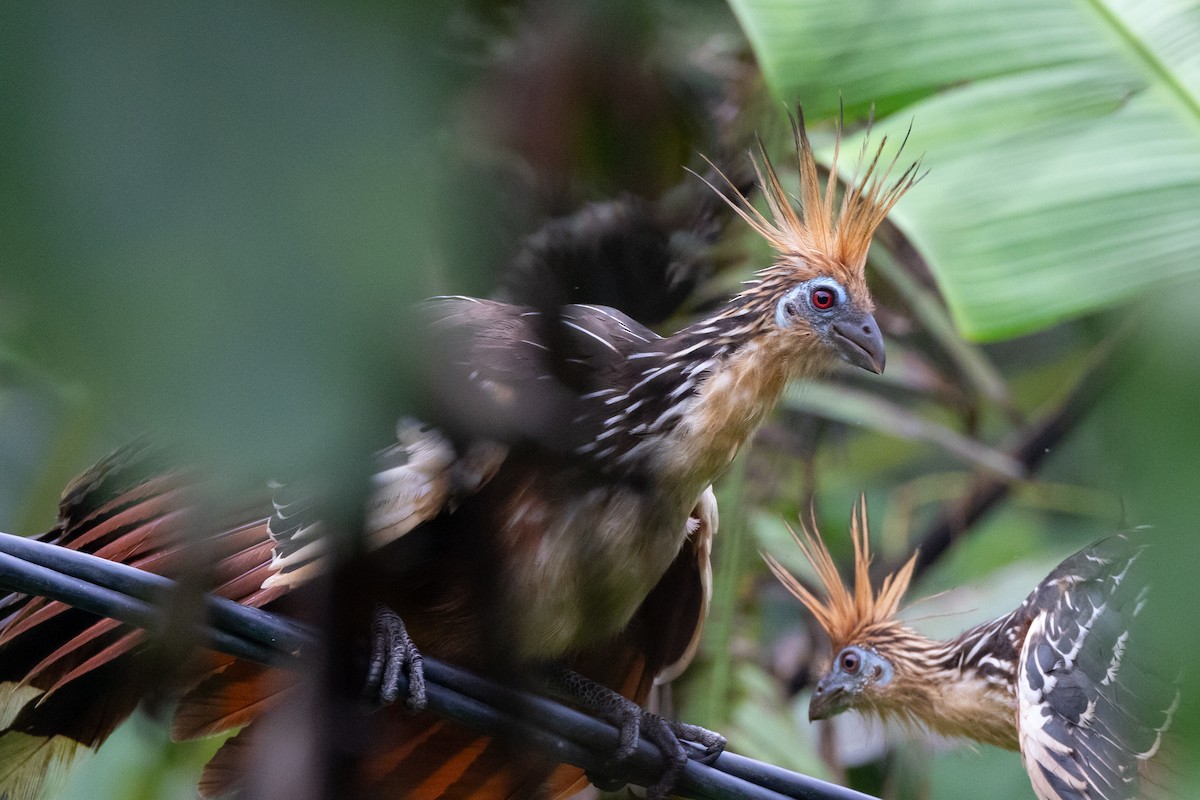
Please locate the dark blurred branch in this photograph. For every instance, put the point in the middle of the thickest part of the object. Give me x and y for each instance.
(115, 590)
(1030, 446)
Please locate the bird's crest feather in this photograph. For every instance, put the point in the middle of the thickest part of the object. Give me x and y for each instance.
(823, 231)
(847, 614)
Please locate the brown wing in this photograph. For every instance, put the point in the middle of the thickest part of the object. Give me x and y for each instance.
(58, 664)
(63, 681)
(48, 647)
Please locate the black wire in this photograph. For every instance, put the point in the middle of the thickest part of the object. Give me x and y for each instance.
(128, 594)
(268, 630)
(21, 576)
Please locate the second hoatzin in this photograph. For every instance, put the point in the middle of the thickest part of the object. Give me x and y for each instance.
(561, 516)
(1066, 678)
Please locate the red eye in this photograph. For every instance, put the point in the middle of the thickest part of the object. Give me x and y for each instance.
(823, 299)
(849, 662)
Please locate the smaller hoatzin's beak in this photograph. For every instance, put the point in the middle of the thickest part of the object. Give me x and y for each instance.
(829, 697)
(859, 342)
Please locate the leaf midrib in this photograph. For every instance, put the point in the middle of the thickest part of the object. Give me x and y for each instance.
(1146, 55)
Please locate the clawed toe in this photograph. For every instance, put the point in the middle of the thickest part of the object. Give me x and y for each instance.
(634, 723)
(710, 744)
(394, 661)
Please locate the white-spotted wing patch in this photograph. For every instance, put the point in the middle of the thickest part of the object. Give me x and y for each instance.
(1092, 703)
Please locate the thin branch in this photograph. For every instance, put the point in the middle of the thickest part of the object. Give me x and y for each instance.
(1030, 447)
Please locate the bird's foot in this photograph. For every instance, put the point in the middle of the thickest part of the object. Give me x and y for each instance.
(393, 657)
(633, 722)
(709, 744)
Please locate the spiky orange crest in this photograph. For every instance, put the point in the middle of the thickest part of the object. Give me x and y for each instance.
(822, 232)
(848, 614)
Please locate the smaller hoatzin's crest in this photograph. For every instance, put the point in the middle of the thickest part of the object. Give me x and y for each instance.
(847, 613)
(824, 230)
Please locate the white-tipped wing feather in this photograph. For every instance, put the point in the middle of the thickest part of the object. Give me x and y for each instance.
(1092, 705)
(418, 478)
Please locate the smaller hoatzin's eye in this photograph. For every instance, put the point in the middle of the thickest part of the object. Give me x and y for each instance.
(823, 298)
(849, 662)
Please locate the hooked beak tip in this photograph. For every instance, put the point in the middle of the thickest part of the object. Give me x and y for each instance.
(860, 343)
(823, 703)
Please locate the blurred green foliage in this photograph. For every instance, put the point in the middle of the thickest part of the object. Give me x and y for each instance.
(215, 211)
(216, 215)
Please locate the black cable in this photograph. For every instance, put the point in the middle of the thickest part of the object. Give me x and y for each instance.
(128, 594)
(269, 630)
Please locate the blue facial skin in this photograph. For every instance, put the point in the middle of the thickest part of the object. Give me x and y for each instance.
(798, 302)
(825, 306)
(853, 670)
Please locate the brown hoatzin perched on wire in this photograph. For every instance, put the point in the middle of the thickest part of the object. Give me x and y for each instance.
(560, 514)
(1067, 678)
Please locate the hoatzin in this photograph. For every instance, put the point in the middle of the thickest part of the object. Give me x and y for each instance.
(1065, 678)
(561, 515)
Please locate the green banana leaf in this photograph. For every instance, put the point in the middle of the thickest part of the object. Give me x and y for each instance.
(1062, 138)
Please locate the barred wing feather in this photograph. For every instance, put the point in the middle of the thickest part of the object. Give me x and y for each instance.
(1092, 707)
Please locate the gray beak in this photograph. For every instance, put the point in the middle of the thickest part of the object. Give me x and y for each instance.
(859, 342)
(829, 697)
